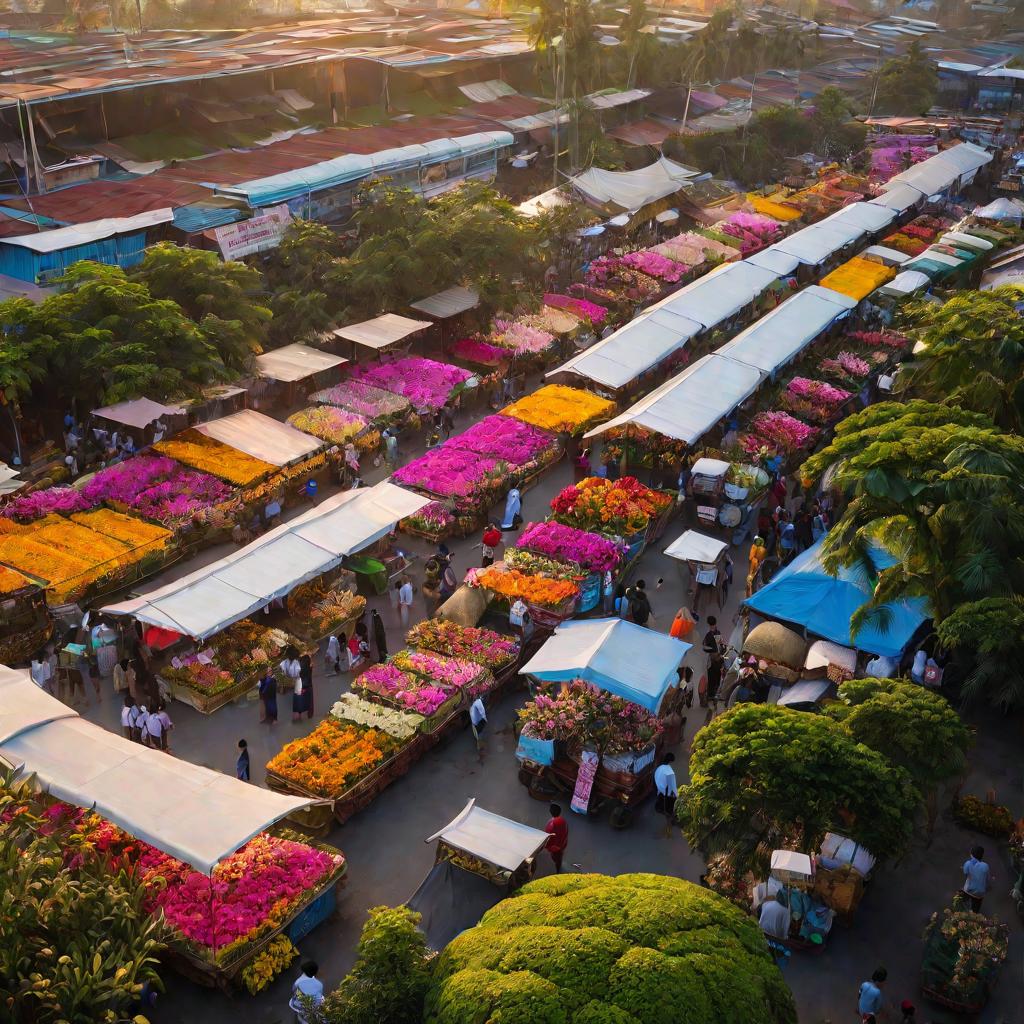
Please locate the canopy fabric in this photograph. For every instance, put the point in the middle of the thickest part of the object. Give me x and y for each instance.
(261, 437)
(630, 190)
(779, 262)
(966, 240)
(783, 333)
(212, 598)
(863, 216)
(450, 302)
(899, 197)
(906, 282)
(138, 413)
(815, 243)
(719, 294)
(939, 172)
(706, 466)
(192, 813)
(625, 659)
(693, 546)
(633, 349)
(90, 231)
(491, 837)
(1001, 209)
(804, 594)
(805, 694)
(886, 254)
(295, 362)
(688, 405)
(823, 653)
(382, 330)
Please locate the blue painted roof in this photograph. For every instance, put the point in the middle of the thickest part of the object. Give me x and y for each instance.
(198, 217)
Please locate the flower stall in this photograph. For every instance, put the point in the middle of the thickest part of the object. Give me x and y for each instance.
(777, 432)
(25, 624)
(525, 340)
(324, 607)
(528, 449)
(426, 383)
(814, 401)
(211, 456)
(858, 277)
(479, 353)
(210, 675)
(963, 954)
(548, 600)
(495, 651)
(560, 409)
(610, 274)
(655, 265)
(589, 555)
(588, 312)
(337, 427)
(375, 405)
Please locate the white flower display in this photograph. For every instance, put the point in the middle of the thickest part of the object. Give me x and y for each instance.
(400, 724)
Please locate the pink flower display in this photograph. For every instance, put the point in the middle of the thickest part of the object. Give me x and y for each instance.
(784, 432)
(506, 439)
(567, 544)
(585, 310)
(427, 384)
(363, 399)
(26, 508)
(880, 339)
(520, 337)
(473, 350)
(818, 391)
(403, 689)
(156, 487)
(451, 472)
(449, 673)
(656, 265)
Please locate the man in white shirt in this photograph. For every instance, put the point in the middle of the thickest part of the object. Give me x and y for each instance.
(405, 601)
(774, 919)
(308, 985)
(665, 784)
(154, 731)
(478, 722)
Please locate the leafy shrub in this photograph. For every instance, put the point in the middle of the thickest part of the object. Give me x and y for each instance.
(589, 949)
(992, 819)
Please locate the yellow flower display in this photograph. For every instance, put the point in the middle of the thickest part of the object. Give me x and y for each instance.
(557, 408)
(201, 452)
(538, 590)
(772, 209)
(858, 277)
(79, 541)
(65, 573)
(268, 964)
(136, 533)
(11, 580)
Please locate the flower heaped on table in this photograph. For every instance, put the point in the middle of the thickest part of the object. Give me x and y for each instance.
(623, 507)
(329, 423)
(403, 725)
(505, 439)
(589, 311)
(537, 590)
(784, 432)
(566, 543)
(558, 408)
(473, 643)
(656, 265)
(449, 472)
(484, 353)
(521, 337)
(210, 456)
(364, 400)
(426, 383)
(403, 688)
(26, 508)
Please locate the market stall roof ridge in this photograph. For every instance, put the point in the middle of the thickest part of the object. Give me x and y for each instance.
(261, 437)
(719, 294)
(136, 412)
(381, 331)
(295, 362)
(195, 814)
(491, 837)
(450, 302)
(631, 190)
(620, 657)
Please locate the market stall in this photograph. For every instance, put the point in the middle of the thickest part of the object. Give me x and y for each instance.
(337, 427)
(548, 600)
(25, 623)
(704, 558)
(197, 838)
(560, 409)
(382, 332)
(426, 383)
(498, 652)
(292, 370)
(378, 407)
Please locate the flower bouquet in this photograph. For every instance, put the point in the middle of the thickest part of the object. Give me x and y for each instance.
(402, 689)
(590, 551)
(579, 712)
(316, 610)
(26, 508)
(470, 643)
(781, 431)
(963, 954)
(531, 564)
(522, 338)
(880, 339)
(507, 440)
(845, 368)
(535, 590)
(330, 424)
(449, 472)
(200, 452)
(612, 273)
(645, 447)
(560, 409)
(333, 757)
(813, 400)
(402, 725)
(426, 383)
(622, 507)
(372, 403)
(480, 353)
(268, 964)
(656, 265)
(591, 312)
(433, 521)
(452, 674)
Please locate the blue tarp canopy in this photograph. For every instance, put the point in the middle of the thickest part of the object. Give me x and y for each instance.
(625, 659)
(804, 594)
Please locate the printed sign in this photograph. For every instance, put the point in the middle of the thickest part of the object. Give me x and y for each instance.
(264, 231)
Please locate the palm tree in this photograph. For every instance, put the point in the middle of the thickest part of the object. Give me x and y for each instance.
(632, 26)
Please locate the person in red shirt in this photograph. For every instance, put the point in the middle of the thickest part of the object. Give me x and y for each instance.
(491, 539)
(558, 829)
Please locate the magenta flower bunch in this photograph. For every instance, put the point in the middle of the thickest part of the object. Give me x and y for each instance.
(26, 508)
(390, 682)
(451, 472)
(655, 265)
(473, 350)
(877, 339)
(590, 311)
(448, 673)
(756, 224)
(784, 432)
(506, 439)
(522, 338)
(853, 365)
(434, 516)
(363, 399)
(427, 383)
(568, 544)
(818, 391)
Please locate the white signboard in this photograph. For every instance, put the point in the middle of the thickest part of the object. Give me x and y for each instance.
(264, 231)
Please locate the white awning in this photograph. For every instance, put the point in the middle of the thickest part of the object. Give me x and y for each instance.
(138, 413)
(900, 197)
(905, 282)
(491, 837)
(719, 294)
(863, 216)
(887, 255)
(621, 657)
(212, 598)
(778, 262)
(967, 241)
(295, 362)
(693, 546)
(91, 231)
(691, 403)
(192, 813)
(938, 257)
(633, 349)
(630, 190)
(815, 243)
(381, 331)
(786, 331)
(261, 437)
(450, 302)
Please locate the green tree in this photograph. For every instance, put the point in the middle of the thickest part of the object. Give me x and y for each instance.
(589, 949)
(938, 488)
(764, 777)
(76, 945)
(390, 977)
(224, 297)
(837, 136)
(987, 635)
(907, 84)
(634, 38)
(972, 355)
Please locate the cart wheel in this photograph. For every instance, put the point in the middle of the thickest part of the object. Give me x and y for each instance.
(621, 816)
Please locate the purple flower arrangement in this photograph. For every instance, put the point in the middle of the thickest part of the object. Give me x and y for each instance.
(473, 350)
(520, 337)
(506, 439)
(655, 265)
(427, 383)
(585, 310)
(780, 431)
(567, 544)
(26, 508)
(452, 473)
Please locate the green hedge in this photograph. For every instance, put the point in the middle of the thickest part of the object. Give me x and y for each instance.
(589, 949)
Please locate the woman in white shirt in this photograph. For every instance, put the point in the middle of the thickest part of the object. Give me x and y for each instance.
(332, 656)
(291, 672)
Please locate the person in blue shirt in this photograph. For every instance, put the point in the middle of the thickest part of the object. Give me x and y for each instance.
(976, 878)
(870, 1001)
(242, 764)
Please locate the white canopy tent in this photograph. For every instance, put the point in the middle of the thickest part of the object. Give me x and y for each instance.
(693, 546)
(886, 255)
(775, 260)
(863, 216)
(630, 190)
(192, 813)
(817, 242)
(9, 479)
(382, 330)
(900, 197)
(450, 302)
(939, 172)
(690, 404)
(491, 837)
(137, 413)
(261, 437)
(212, 598)
(1001, 209)
(905, 282)
(295, 362)
(787, 330)
(621, 657)
(719, 294)
(967, 241)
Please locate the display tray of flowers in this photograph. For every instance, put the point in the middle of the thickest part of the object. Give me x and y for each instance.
(470, 643)
(480, 352)
(433, 522)
(845, 370)
(317, 609)
(620, 508)
(472, 481)
(590, 552)
(550, 601)
(431, 698)
(218, 924)
(814, 401)
(528, 448)
(561, 409)
(426, 383)
(642, 447)
(589, 312)
(523, 339)
(963, 954)
(207, 455)
(777, 432)
(457, 675)
(227, 666)
(337, 426)
(381, 408)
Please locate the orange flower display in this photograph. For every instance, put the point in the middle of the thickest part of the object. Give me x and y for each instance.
(12, 581)
(64, 572)
(558, 408)
(333, 757)
(136, 533)
(201, 452)
(623, 506)
(535, 589)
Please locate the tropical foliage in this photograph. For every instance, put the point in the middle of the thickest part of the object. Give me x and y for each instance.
(907, 84)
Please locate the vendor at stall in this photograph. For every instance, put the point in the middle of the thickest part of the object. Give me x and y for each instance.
(775, 917)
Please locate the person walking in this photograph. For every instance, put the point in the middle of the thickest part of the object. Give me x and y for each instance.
(352, 465)
(478, 722)
(380, 636)
(242, 762)
(666, 787)
(291, 675)
(775, 917)
(390, 449)
(124, 676)
(488, 545)
(332, 656)
(405, 601)
(639, 604)
(977, 878)
(557, 829)
(166, 725)
(134, 682)
(869, 997)
(307, 991)
(787, 537)
(449, 581)
(306, 677)
(154, 730)
(267, 688)
(127, 717)
(513, 510)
